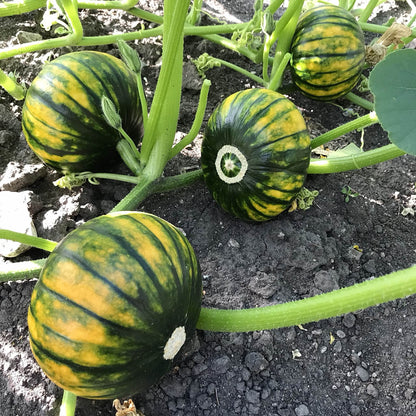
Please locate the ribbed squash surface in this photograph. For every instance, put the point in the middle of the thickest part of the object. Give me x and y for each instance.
(255, 153)
(109, 298)
(328, 52)
(62, 118)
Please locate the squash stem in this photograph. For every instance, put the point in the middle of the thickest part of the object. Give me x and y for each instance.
(139, 193)
(11, 86)
(284, 37)
(366, 13)
(164, 111)
(358, 123)
(211, 62)
(30, 240)
(362, 102)
(276, 79)
(349, 299)
(68, 405)
(354, 161)
(196, 125)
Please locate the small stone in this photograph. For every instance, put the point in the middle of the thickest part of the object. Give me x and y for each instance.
(253, 396)
(372, 391)
(349, 320)
(204, 401)
(263, 285)
(256, 362)
(340, 334)
(233, 243)
(370, 266)
(302, 410)
(173, 387)
(354, 410)
(23, 36)
(362, 373)
(338, 346)
(354, 253)
(408, 394)
(221, 365)
(326, 281)
(412, 383)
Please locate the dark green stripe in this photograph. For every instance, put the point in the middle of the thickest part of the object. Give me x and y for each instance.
(249, 124)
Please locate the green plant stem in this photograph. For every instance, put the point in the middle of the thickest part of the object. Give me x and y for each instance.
(229, 44)
(112, 4)
(164, 112)
(358, 123)
(74, 38)
(360, 296)
(196, 125)
(276, 79)
(68, 405)
(144, 188)
(29, 240)
(143, 101)
(129, 152)
(23, 270)
(366, 13)
(170, 183)
(362, 102)
(371, 27)
(242, 71)
(284, 34)
(274, 5)
(11, 86)
(354, 161)
(13, 8)
(194, 14)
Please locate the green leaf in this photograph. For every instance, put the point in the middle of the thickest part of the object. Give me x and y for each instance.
(348, 150)
(393, 83)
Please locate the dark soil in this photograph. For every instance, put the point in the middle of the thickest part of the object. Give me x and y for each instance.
(363, 363)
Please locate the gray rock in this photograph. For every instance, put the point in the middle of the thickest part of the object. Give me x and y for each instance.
(302, 410)
(221, 365)
(362, 373)
(15, 216)
(253, 396)
(326, 281)
(18, 175)
(372, 391)
(349, 320)
(256, 362)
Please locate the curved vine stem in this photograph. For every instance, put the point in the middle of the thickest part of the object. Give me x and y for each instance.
(355, 161)
(29, 240)
(360, 296)
(68, 405)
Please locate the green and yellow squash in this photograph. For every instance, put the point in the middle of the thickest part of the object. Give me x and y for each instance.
(62, 118)
(255, 153)
(114, 304)
(328, 52)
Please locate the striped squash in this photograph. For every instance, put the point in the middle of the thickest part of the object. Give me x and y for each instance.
(62, 118)
(114, 303)
(328, 52)
(255, 153)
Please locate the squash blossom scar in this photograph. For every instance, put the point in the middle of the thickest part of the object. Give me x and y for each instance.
(229, 164)
(174, 343)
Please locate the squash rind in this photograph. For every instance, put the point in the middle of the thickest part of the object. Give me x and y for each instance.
(62, 118)
(271, 133)
(108, 299)
(328, 52)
